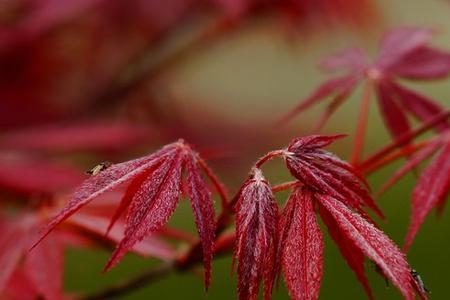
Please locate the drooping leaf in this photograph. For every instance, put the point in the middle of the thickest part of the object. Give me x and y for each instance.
(202, 206)
(256, 237)
(352, 255)
(301, 246)
(433, 187)
(373, 243)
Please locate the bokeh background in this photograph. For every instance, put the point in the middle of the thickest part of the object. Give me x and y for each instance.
(242, 81)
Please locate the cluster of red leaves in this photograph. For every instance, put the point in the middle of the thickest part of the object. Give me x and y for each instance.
(154, 189)
(403, 54)
(295, 244)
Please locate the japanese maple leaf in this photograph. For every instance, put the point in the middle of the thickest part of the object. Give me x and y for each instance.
(326, 173)
(340, 193)
(153, 192)
(256, 236)
(403, 54)
(433, 186)
(301, 245)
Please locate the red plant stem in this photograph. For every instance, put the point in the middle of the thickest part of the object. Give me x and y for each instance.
(404, 139)
(285, 186)
(362, 122)
(269, 156)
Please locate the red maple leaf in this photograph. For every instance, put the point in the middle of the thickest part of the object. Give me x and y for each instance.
(403, 54)
(154, 189)
(339, 192)
(301, 245)
(256, 236)
(433, 185)
(324, 172)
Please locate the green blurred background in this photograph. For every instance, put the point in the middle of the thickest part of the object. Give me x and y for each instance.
(256, 76)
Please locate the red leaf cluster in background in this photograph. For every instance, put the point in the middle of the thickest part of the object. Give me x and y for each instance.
(300, 246)
(403, 54)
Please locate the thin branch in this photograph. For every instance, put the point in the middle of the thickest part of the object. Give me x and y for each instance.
(269, 156)
(132, 284)
(285, 186)
(220, 188)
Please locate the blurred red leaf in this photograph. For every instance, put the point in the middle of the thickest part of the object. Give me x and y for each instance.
(48, 256)
(150, 246)
(84, 136)
(403, 53)
(31, 175)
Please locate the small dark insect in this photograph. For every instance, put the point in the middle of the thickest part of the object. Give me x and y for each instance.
(98, 168)
(418, 280)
